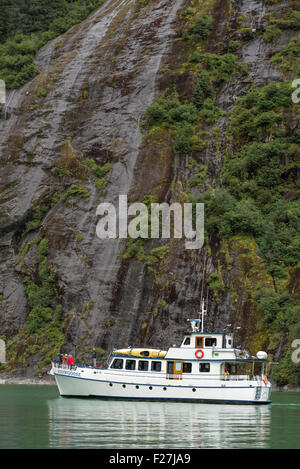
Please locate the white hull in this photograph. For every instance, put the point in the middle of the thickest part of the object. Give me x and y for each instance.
(205, 368)
(106, 385)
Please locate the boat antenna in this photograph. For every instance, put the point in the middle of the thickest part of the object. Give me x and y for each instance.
(203, 278)
(203, 311)
(202, 301)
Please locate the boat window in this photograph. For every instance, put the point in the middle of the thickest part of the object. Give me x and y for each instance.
(130, 365)
(204, 367)
(117, 364)
(210, 342)
(156, 366)
(187, 341)
(145, 353)
(187, 367)
(199, 342)
(143, 365)
(178, 367)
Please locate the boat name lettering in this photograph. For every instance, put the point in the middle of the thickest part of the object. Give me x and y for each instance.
(68, 373)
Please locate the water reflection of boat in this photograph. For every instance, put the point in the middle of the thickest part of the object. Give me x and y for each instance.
(80, 423)
(205, 368)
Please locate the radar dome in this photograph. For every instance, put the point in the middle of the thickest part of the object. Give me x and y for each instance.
(261, 354)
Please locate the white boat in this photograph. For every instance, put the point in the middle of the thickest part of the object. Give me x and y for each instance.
(205, 368)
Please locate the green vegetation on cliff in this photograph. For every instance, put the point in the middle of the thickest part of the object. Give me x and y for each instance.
(259, 197)
(240, 156)
(25, 26)
(257, 193)
(43, 333)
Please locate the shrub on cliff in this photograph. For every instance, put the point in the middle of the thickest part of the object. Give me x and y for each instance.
(218, 67)
(180, 118)
(200, 28)
(202, 89)
(288, 58)
(259, 111)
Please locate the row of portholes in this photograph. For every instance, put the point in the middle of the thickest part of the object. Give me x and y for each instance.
(150, 387)
(137, 387)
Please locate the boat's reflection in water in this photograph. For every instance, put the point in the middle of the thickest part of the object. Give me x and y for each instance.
(79, 423)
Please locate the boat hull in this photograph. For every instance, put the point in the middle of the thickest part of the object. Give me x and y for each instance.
(72, 384)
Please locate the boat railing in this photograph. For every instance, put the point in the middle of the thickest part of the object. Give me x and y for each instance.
(228, 377)
(184, 376)
(64, 366)
(171, 376)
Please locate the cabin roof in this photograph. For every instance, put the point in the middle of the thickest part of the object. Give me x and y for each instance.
(220, 359)
(206, 333)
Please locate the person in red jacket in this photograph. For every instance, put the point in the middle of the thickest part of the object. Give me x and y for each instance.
(70, 361)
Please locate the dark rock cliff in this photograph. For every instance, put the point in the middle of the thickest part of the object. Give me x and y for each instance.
(87, 105)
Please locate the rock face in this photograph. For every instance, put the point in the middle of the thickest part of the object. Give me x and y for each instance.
(87, 104)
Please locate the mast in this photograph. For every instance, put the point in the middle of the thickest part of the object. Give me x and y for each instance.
(203, 311)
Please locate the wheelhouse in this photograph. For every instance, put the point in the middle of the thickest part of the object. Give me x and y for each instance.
(208, 340)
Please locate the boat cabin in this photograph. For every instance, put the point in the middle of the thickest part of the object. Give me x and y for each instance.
(200, 353)
(208, 340)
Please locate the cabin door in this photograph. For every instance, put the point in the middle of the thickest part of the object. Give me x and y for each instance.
(174, 370)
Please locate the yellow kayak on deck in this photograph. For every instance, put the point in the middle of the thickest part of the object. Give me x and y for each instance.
(141, 352)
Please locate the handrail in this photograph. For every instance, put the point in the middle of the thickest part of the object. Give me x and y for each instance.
(162, 374)
(229, 377)
(64, 366)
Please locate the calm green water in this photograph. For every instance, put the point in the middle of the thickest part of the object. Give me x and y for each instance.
(36, 417)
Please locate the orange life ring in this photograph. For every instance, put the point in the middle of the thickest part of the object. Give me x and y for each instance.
(265, 380)
(199, 351)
